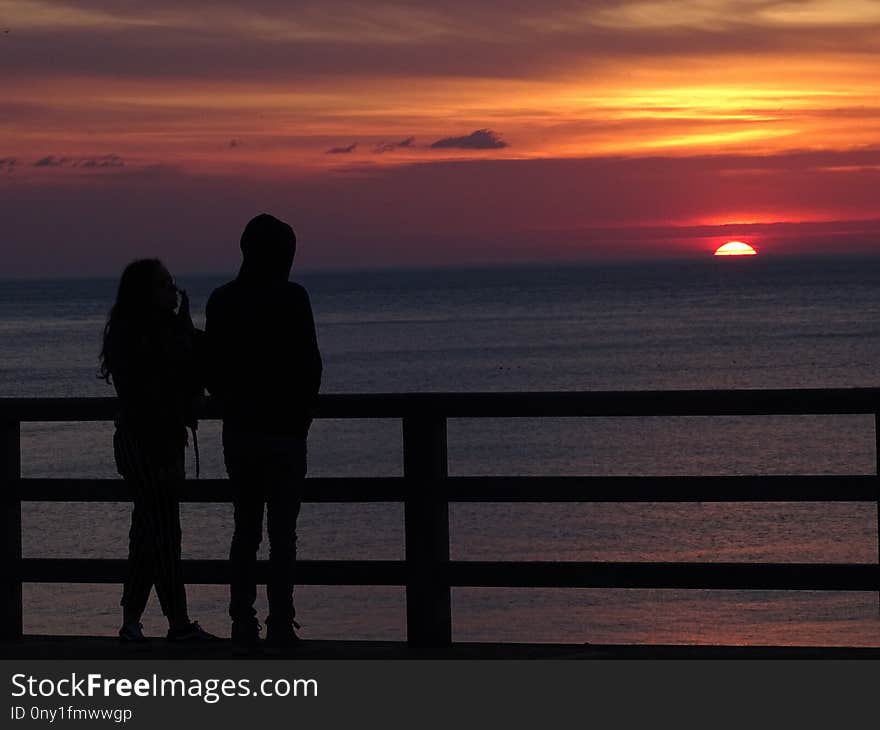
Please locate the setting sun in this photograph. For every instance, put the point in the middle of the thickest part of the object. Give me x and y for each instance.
(735, 248)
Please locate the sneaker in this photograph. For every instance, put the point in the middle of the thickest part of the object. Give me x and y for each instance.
(282, 637)
(245, 636)
(132, 633)
(190, 632)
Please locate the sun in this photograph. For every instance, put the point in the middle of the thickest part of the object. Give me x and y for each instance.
(735, 248)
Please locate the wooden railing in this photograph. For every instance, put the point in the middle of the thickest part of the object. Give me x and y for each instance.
(426, 491)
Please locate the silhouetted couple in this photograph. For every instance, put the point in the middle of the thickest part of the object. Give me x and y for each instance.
(259, 356)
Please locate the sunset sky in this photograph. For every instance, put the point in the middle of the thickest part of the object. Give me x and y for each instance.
(425, 133)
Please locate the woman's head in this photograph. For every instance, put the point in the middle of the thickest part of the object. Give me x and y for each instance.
(146, 289)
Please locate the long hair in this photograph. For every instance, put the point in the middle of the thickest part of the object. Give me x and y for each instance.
(133, 307)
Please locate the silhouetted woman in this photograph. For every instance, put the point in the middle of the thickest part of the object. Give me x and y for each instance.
(150, 356)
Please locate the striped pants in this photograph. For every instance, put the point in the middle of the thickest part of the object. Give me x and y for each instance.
(154, 480)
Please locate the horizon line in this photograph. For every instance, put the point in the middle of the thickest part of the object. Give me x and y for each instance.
(707, 256)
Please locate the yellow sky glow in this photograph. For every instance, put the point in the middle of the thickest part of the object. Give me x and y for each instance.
(680, 103)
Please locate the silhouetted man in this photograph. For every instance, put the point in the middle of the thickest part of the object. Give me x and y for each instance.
(265, 369)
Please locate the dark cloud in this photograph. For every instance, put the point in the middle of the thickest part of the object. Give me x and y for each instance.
(110, 160)
(482, 139)
(7, 164)
(342, 150)
(526, 42)
(52, 161)
(103, 161)
(407, 143)
(235, 142)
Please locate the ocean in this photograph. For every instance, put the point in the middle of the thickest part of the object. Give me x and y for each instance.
(754, 322)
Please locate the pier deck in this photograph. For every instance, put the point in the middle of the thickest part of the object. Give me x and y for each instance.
(88, 647)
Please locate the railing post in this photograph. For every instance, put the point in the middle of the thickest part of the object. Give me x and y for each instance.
(10, 557)
(877, 485)
(426, 513)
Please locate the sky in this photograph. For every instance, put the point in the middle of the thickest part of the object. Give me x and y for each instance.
(435, 133)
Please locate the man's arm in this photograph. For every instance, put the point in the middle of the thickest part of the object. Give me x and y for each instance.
(313, 364)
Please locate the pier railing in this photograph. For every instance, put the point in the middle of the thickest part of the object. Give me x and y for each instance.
(426, 490)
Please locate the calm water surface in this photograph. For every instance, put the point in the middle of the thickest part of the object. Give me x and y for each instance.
(755, 323)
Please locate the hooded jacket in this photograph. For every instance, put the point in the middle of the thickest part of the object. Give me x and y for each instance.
(263, 365)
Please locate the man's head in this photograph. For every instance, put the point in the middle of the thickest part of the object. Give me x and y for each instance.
(268, 246)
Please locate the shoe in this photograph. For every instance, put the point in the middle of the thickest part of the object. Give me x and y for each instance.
(282, 638)
(132, 633)
(245, 636)
(190, 632)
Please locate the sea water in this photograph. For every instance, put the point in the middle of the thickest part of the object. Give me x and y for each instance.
(746, 323)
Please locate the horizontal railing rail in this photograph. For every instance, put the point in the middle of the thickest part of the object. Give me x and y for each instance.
(426, 490)
(857, 488)
(499, 574)
(623, 403)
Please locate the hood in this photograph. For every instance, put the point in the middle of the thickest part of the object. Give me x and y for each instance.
(268, 246)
